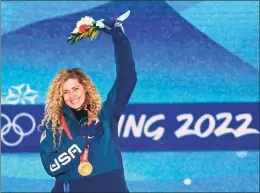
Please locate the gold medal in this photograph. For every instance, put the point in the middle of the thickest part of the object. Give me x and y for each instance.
(85, 168)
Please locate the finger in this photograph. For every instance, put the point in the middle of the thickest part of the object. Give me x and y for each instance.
(107, 28)
(100, 24)
(106, 31)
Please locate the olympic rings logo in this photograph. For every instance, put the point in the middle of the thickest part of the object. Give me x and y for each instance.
(5, 129)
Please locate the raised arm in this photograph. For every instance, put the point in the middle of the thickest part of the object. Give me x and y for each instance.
(126, 77)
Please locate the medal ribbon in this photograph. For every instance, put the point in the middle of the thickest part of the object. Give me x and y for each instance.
(84, 156)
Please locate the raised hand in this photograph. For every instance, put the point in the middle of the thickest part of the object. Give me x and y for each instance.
(113, 26)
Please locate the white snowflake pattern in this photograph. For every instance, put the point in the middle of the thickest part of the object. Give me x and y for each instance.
(17, 96)
(3, 101)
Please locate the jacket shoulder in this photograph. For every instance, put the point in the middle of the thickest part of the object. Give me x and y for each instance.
(47, 137)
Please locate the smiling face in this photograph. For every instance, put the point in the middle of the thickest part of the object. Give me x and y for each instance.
(74, 94)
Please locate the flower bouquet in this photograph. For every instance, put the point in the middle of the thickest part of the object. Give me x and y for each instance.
(88, 28)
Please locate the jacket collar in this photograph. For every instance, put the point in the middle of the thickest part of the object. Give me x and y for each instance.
(66, 109)
(69, 113)
(71, 120)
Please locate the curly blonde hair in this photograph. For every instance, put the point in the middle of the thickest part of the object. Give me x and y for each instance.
(54, 102)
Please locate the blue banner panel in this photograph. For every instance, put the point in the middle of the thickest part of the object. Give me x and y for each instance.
(146, 127)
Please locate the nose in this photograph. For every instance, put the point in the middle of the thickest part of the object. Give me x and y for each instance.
(72, 96)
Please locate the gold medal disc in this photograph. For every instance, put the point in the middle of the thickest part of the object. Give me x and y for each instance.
(85, 168)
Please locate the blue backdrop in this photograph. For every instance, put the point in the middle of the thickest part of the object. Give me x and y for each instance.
(197, 93)
(153, 127)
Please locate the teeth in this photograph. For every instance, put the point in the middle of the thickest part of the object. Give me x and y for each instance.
(74, 101)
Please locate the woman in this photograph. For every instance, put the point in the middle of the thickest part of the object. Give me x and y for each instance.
(80, 146)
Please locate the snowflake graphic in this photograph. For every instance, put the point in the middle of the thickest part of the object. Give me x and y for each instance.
(3, 101)
(22, 94)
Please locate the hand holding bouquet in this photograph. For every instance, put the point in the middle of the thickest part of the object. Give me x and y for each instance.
(88, 28)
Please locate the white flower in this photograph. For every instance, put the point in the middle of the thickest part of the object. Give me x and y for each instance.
(76, 30)
(84, 21)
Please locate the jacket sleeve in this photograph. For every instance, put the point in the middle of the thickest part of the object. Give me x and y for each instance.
(125, 82)
(55, 161)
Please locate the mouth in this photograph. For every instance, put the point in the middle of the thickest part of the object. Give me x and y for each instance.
(74, 101)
